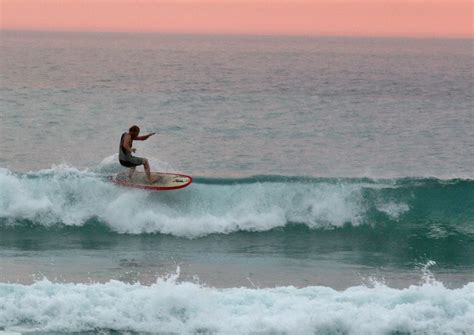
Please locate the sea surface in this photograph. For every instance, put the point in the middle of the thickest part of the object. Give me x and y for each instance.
(333, 185)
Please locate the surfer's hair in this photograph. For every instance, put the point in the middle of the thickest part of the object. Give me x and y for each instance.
(134, 129)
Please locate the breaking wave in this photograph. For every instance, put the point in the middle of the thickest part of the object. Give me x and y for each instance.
(67, 196)
(171, 306)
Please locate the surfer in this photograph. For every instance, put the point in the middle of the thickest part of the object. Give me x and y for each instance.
(125, 152)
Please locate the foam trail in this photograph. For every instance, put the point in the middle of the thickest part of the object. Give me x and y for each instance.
(165, 306)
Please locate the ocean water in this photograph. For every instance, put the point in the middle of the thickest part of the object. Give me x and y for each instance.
(333, 185)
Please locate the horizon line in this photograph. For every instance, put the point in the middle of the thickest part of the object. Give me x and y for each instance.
(237, 34)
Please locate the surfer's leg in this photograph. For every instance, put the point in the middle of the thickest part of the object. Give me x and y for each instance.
(147, 168)
(146, 165)
(131, 171)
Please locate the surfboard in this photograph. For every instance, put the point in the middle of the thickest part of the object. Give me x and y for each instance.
(165, 181)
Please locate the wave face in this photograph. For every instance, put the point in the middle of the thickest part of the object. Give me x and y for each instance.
(166, 307)
(69, 197)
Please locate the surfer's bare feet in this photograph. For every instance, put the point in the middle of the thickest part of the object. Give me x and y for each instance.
(153, 180)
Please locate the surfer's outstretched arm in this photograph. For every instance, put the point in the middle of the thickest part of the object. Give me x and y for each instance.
(144, 137)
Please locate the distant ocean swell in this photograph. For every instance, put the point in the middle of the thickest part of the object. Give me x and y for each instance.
(69, 197)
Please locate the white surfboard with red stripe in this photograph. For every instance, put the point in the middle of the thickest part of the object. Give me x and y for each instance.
(164, 182)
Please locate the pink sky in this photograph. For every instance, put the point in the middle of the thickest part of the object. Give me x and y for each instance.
(431, 18)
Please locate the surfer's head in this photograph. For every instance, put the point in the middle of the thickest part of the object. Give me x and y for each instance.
(134, 131)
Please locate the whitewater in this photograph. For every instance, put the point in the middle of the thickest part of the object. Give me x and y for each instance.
(165, 307)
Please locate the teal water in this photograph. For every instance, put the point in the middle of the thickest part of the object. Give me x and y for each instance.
(333, 185)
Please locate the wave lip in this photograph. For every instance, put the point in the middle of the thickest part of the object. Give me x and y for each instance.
(67, 196)
(165, 306)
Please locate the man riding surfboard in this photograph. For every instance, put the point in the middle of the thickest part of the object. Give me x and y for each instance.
(125, 152)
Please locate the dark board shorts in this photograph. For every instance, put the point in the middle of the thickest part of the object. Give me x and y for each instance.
(132, 162)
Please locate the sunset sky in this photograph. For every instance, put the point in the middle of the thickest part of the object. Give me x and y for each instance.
(417, 18)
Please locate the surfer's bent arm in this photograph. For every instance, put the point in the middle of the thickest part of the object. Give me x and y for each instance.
(143, 138)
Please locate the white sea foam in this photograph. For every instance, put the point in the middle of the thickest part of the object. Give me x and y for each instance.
(64, 195)
(392, 209)
(184, 307)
